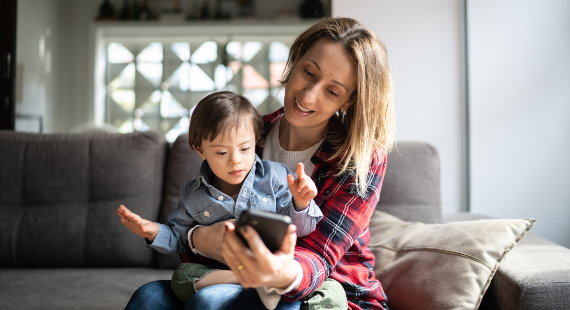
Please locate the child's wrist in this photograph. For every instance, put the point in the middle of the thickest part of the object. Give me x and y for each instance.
(300, 206)
(152, 235)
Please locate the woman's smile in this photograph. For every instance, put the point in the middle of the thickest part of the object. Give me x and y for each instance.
(300, 110)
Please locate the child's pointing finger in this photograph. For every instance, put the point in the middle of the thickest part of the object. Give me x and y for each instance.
(300, 171)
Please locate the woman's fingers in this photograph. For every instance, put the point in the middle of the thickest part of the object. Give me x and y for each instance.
(258, 266)
(255, 243)
(232, 246)
(254, 261)
(237, 256)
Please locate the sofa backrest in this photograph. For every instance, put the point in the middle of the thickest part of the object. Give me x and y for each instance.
(59, 193)
(411, 189)
(182, 166)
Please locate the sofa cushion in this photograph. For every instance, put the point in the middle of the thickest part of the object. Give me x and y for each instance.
(440, 266)
(411, 186)
(73, 288)
(59, 193)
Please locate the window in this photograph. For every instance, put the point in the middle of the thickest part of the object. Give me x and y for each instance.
(155, 84)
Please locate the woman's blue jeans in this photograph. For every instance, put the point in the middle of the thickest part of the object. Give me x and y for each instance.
(158, 295)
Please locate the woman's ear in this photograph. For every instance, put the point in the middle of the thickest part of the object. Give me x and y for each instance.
(351, 100)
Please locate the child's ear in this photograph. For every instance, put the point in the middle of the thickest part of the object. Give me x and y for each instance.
(201, 153)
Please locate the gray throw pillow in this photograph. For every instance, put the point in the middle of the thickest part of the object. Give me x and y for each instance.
(440, 266)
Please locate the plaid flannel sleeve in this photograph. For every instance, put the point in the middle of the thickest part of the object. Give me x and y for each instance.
(346, 217)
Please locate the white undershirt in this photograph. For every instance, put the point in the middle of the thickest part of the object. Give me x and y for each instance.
(274, 152)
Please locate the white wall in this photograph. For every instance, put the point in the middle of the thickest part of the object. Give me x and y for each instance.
(41, 55)
(519, 55)
(424, 42)
(520, 112)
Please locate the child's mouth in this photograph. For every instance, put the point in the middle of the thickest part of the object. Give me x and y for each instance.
(237, 172)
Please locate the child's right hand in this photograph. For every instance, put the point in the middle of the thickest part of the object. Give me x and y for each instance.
(136, 224)
(303, 188)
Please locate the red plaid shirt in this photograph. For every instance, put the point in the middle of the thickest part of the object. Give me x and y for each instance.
(338, 248)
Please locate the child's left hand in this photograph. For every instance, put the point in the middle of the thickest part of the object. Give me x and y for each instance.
(303, 189)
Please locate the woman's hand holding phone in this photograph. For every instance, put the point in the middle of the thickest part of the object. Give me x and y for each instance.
(256, 266)
(303, 188)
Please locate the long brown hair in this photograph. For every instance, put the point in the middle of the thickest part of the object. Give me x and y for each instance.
(369, 123)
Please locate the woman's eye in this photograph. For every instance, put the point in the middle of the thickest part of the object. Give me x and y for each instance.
(309, 72)
(332, 92)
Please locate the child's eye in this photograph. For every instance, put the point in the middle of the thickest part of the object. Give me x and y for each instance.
(247, 148)
(221, 153)
(309, 72)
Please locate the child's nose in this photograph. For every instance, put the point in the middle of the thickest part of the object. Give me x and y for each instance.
(235, 160)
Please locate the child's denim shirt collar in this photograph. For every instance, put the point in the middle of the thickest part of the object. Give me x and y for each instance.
(210, 195)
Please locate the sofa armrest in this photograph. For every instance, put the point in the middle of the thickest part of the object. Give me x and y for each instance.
(534, 275)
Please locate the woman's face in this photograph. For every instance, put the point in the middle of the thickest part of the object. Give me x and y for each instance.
(320, 84)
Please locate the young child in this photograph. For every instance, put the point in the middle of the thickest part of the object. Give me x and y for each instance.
(224, 130)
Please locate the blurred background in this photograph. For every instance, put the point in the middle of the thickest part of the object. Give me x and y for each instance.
(486, 82)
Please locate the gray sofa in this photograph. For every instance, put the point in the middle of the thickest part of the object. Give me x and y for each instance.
(62, 246)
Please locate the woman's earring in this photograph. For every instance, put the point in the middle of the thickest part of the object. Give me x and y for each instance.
(342, 114)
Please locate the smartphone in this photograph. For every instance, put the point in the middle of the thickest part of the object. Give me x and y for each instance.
(271, 227)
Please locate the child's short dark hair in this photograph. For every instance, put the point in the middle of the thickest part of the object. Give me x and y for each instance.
(221, 111)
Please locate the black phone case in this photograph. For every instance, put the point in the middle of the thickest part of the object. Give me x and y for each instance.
(271, 227)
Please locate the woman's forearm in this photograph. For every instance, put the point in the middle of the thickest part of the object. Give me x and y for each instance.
(208, 240)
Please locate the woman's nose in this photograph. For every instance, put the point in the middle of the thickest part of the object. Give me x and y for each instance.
(310, 94)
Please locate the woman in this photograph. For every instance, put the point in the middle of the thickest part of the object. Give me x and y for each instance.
(338, 119)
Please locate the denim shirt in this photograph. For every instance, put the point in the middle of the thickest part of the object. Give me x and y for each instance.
(265, 188)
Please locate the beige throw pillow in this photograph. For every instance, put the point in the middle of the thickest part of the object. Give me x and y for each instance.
(440, 266)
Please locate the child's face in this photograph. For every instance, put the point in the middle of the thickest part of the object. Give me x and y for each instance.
(230, 155)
